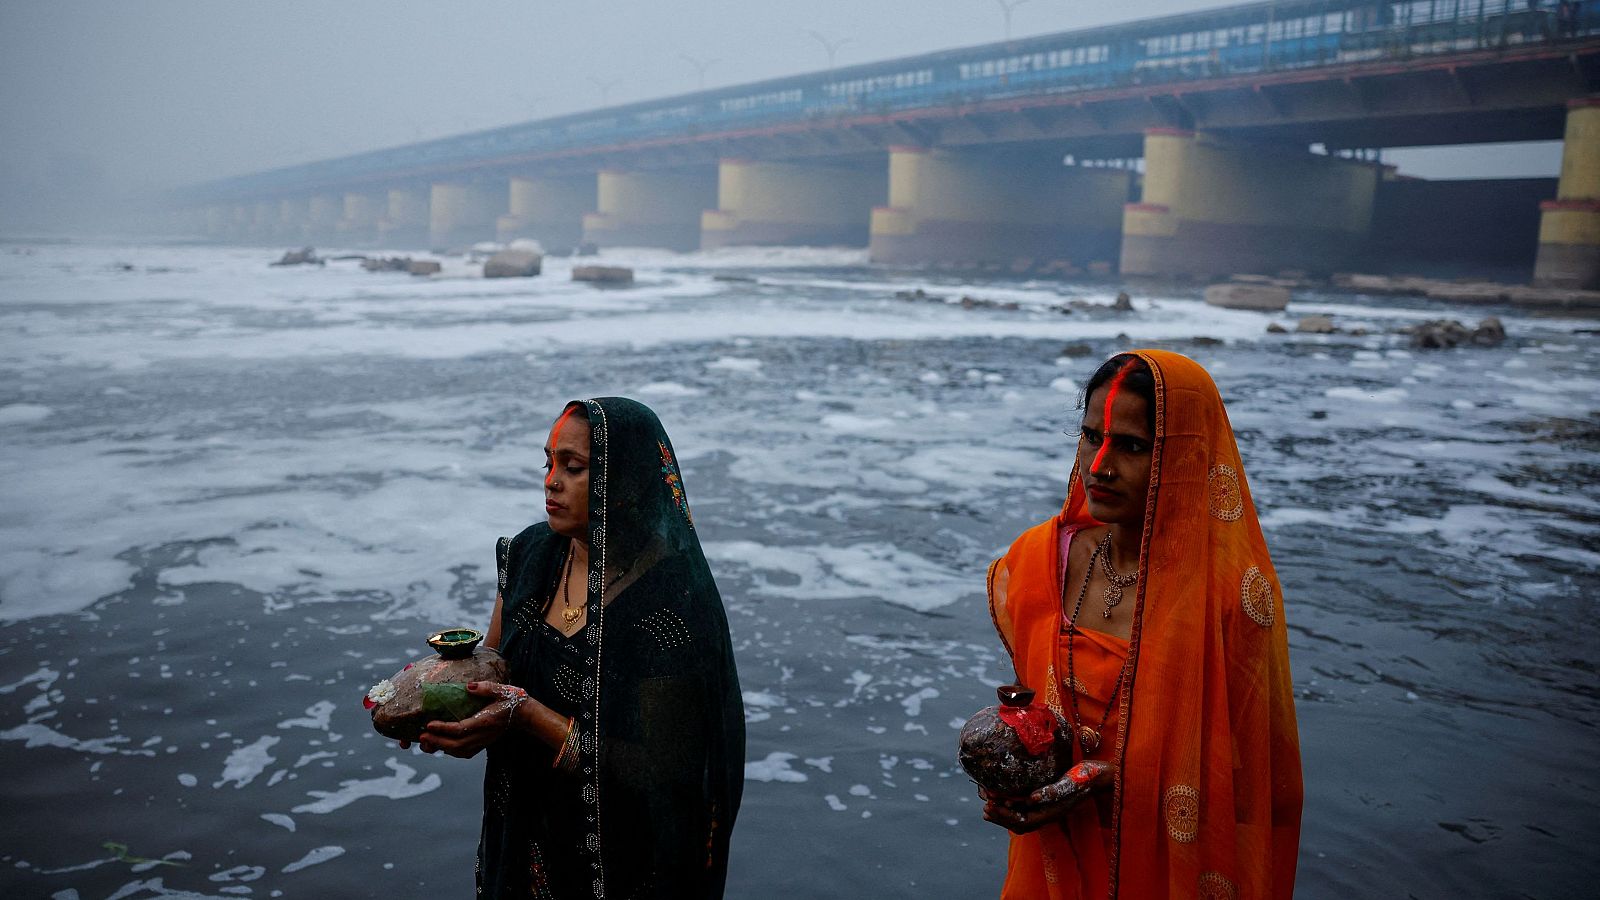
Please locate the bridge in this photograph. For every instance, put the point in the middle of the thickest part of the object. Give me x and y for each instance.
(1239, 139)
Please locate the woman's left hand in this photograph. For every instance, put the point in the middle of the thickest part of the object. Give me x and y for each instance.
(1050, 802)
(466, 738)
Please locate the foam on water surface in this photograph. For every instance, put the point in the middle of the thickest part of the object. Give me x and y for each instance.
(210, 461)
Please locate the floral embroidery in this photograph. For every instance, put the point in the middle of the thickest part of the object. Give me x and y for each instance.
(1182, 806)
(1052, 696)
(669, 473)
(1213, 886)
(1227, 499)
(1255, 596)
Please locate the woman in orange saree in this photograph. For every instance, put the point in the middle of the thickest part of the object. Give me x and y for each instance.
(1149, 617)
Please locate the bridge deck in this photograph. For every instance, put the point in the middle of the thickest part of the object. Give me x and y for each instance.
(1311, 70)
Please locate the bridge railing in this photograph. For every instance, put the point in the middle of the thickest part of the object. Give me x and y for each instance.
(1241, 40)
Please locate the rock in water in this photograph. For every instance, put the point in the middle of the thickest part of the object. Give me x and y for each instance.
(1315, 325)
(1013, 749)
(513, 264)
(424, 267)
(1261, 297)
(1441, 334)
(603, 274)
(1489, 333)
(432, 688)
(386, 264)
(303, 257)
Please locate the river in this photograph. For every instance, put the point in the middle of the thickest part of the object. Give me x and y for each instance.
(233, 496)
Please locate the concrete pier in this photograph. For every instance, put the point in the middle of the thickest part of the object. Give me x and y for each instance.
(548, 210)
(1569, 226)
(787, 203)
(358, 223)
(1213, 206)
(463, 213)
(323, 212)
(404, 222)
(294, 219)
(997, 205)
(657, 208)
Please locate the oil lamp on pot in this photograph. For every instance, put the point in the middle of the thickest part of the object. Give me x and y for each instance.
(1014, 748)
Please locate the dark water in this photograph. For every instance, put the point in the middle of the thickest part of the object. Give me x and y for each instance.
(231, 498)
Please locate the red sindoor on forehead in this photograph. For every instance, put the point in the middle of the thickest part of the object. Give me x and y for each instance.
(555, 431)
(1105, 424)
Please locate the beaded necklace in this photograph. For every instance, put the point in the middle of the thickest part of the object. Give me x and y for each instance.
(1088, 738)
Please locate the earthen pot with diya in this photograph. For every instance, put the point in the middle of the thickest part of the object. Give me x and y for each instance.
(435, 687)
(1015, 748)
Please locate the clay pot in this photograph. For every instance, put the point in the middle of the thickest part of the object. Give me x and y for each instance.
(412, 704)
(1008, 761)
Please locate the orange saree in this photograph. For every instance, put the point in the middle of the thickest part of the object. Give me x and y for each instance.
(1206, 801)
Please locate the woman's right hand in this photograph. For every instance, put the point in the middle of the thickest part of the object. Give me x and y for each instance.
(1050, 802)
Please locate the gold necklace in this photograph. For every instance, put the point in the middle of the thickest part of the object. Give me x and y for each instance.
(569, 616)
(1113, 593)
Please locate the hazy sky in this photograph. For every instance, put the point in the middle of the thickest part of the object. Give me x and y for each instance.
(121, 96)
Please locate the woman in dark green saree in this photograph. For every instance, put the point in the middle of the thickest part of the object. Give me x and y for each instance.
(616, 754)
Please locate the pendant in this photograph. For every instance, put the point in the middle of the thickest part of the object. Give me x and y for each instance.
(570, 615)
(1113, 596)
(1089, 738)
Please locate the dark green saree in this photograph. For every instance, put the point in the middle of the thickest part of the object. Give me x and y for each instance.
(650, 683)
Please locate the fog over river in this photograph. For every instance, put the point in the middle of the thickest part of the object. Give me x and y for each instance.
(232, 497)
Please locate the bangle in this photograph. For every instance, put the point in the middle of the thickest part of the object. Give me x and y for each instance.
(567, 757)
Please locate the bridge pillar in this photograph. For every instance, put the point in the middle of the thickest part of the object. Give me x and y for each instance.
(996, 206)
(404, 222)
(462, 213)
(776, 203)
(650, 209)
(549, 210)
(264, 221)
(1569, 226)
(358, 221)
(323, 212)
(242, 228)
(294, 219)
(1214, 206)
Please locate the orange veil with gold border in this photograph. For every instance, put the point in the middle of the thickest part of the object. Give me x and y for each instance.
(1208, 792)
